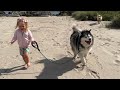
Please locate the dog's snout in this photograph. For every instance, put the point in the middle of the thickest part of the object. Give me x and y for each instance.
(89, 39)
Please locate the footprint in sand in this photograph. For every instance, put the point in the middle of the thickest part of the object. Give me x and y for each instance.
(31, 58)
(117, 61)
(1, 42)
(118, 43)
(106, 44)
(17, 55)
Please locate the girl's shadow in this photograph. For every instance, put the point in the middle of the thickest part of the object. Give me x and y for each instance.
(13, 69)
(54, 69)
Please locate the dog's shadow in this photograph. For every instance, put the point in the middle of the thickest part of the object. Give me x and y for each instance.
(13, 69)
(52, 70)
(91, 24)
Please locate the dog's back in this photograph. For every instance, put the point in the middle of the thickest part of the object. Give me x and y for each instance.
(74, 39)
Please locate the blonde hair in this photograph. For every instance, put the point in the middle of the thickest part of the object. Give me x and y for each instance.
(22, 20)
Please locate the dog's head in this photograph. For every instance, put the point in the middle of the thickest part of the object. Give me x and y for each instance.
(86, 38)
(99, 17)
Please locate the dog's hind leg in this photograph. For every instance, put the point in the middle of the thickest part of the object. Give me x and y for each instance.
(74, 52)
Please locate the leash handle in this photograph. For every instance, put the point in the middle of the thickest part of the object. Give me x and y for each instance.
(35, 45)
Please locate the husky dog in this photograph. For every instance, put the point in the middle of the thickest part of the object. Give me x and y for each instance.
(99, 19)
(81, 42)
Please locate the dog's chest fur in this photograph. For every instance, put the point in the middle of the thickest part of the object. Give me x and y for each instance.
(83, 51)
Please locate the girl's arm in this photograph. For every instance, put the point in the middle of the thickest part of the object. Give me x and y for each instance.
(31, 36)
(14, 37)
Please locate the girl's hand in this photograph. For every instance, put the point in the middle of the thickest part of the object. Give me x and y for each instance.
(33, 42)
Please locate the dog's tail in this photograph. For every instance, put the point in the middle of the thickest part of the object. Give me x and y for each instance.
(75, 28)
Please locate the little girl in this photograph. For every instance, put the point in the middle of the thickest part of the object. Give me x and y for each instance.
(24, 37)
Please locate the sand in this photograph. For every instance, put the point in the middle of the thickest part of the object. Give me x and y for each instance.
(52, 35)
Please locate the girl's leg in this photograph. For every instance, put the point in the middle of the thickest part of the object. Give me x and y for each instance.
(24, 54)
(26, 59)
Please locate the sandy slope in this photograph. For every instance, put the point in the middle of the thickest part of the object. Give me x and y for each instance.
(52, 34)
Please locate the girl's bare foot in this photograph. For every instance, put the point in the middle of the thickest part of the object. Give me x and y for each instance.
(28, 64)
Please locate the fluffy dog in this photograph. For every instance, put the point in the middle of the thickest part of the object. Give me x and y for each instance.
(81, 42)
(99, 19)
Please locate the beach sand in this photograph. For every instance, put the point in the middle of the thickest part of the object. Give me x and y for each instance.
(53, 36)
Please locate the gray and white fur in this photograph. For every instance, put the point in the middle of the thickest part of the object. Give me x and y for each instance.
(81, 42)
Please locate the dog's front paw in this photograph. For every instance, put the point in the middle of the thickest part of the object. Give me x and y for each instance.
(73, 58)
(80, 66)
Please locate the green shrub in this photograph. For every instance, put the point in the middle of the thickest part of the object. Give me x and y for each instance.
(78, 16)
(84, 15)
(115, 22)
(92, 15)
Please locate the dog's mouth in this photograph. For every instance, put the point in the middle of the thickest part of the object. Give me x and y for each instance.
(88, 42)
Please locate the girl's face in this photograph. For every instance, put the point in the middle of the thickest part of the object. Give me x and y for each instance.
(22, 26)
